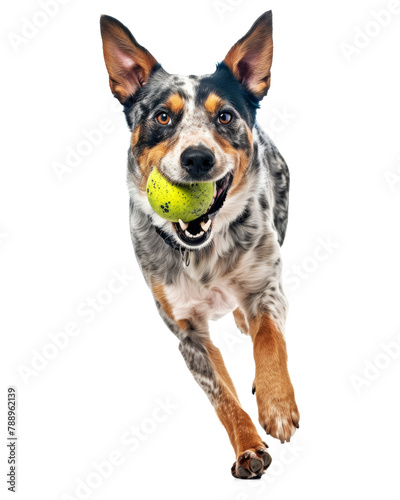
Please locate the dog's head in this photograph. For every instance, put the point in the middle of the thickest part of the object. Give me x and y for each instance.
(191, 128)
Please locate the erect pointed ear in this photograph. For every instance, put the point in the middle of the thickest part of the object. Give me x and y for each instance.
(250, 58)
(128, 63)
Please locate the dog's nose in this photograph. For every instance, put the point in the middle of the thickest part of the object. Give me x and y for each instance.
(197, 161)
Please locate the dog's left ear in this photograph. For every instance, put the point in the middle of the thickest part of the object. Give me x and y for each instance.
(250, 58)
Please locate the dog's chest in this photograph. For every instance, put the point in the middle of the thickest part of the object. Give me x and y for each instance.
(189, 298)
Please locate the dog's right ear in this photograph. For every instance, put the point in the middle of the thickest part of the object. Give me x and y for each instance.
(128, 63)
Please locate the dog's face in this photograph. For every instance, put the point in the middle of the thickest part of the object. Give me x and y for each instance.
(192, 129)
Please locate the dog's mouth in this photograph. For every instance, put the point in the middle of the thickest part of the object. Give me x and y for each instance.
(198, 231)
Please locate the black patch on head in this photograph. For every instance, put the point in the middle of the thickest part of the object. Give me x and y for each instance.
(137, 96)
(128, 105)
(223, 83)
(148, 103)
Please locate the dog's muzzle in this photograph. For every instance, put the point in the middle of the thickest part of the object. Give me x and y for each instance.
(198, 231)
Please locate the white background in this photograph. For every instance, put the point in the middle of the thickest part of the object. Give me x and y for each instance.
(62, 240)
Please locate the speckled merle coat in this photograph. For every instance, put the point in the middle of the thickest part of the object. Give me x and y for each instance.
(199, 129)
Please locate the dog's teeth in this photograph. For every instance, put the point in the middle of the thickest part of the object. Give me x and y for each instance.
(198, 234)
(184, 225)
(215, 191)
(205, 225)
(194, 236)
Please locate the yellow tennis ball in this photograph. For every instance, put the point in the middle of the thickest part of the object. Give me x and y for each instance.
(178, 201)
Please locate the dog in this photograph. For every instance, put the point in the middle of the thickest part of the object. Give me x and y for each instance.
(204, 129)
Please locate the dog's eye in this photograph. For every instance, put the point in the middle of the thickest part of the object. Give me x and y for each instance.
(224, 118)
(163, 119)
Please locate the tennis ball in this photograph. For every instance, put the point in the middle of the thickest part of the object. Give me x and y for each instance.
(178, 201)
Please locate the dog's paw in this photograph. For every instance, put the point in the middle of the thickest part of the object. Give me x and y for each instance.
(252, 463)
(279, 418)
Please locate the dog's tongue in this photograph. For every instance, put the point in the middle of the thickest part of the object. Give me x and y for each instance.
(220, 191)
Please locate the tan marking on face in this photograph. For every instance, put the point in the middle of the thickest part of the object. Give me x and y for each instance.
(135, 136)
(240, 156)
(175, 103)
(244, 159)
(151, 157)
(213, 103)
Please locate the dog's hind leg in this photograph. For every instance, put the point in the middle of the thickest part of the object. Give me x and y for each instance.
(205, 362)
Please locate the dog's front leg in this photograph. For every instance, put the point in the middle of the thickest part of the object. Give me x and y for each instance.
(205, 362)
(277, 409)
